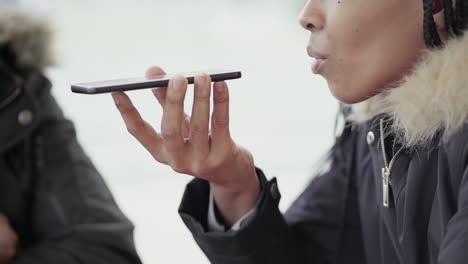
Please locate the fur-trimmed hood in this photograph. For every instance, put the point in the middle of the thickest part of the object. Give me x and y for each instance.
(431, 100)
(29, 37)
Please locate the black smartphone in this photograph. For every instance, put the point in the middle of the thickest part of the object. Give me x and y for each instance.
(147, 82)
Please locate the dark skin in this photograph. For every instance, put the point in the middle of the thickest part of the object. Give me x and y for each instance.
(350, 35)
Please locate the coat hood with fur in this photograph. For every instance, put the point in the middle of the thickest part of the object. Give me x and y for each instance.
(29, 37)
(431, 100)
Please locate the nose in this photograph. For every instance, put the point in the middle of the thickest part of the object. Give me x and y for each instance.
(311, 17)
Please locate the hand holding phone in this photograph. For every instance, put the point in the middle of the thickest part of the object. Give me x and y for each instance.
(189, 146)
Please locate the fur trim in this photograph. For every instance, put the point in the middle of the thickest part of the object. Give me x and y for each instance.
(29, 36)
(432, 99)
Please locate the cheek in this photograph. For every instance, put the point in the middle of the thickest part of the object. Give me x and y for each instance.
(364, 65)
(367, 57)
(351, 77)
(354, 79)
(347, 72)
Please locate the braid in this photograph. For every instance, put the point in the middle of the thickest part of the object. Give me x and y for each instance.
(431, 36)
(456, 21)
(450, 19)
(461, 10)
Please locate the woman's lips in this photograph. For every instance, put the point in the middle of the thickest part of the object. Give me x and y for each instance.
(319, 59)
(317, 65)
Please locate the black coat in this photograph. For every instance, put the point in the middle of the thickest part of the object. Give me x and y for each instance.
(53, 196)
(340, 217)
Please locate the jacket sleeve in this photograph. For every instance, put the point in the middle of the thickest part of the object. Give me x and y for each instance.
(74, 216)
(322, 225)
(453, 249)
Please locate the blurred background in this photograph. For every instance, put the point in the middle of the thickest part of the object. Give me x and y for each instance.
(280, 111)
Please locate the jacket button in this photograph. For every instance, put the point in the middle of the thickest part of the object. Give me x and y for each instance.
(370, 137)
(25, 117)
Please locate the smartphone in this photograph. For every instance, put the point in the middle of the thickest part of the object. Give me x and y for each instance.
(147, 82)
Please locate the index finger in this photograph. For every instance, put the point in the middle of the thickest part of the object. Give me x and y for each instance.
(135, 124)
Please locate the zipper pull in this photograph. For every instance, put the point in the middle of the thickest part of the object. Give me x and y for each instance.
(385, 186)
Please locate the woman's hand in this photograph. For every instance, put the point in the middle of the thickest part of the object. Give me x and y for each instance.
(8, 240)
(189, 146)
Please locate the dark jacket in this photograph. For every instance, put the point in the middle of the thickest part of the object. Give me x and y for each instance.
(55, 199)
(340, 217)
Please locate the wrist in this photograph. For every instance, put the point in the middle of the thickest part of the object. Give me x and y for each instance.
(250, 186)
(234, 201)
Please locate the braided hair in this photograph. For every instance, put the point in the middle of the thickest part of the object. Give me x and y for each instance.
(456, 21)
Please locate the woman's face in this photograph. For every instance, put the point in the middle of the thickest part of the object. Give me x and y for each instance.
(368, 44)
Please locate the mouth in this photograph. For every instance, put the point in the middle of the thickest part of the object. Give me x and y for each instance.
(317, 65)
(318, 60)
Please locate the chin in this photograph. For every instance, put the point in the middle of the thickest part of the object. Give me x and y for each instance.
(347, 95)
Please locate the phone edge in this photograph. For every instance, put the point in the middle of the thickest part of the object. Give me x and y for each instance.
(216, 77)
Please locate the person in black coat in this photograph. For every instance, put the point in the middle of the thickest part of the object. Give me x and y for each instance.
(396, 190)
(54, 205)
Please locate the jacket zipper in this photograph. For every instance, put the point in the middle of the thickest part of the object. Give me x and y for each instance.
(10, 98)
(387, 170)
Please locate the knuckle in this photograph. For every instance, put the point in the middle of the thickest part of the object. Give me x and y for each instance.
(174, 100)
(199, 129)
(201, 97)
(221, 98)
(119, 107)
(129, 114)
(131, 130)
(169, 134)
(221, 121)
(124, 110)
(136, 128)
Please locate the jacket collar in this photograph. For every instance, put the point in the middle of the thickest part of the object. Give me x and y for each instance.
(430, 102)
